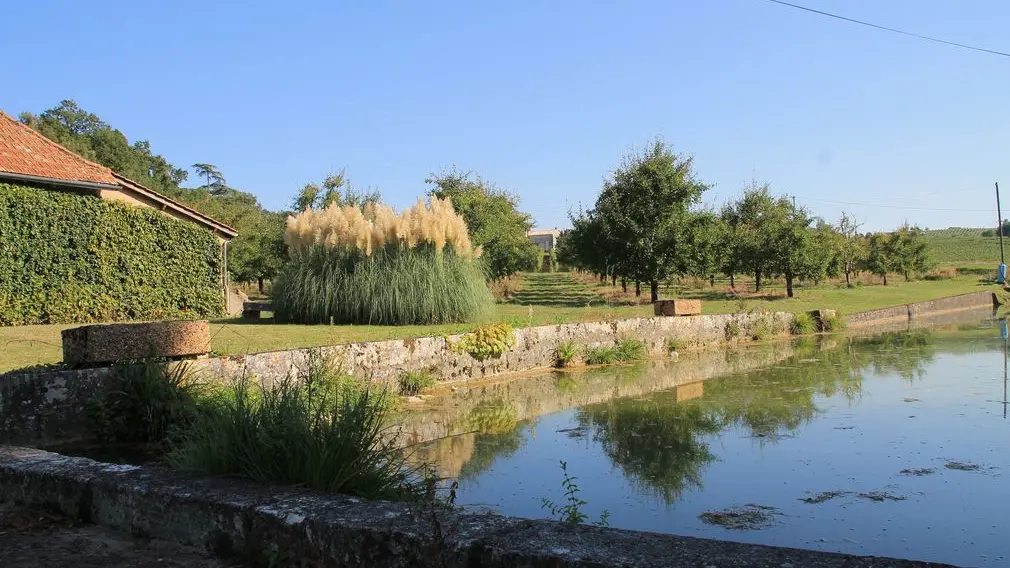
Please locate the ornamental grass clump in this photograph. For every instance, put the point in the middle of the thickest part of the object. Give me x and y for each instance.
(370, 265)
(322, 430)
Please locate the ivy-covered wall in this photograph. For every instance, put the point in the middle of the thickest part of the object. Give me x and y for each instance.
(70, 258)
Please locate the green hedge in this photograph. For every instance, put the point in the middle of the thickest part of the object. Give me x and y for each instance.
(68, 258)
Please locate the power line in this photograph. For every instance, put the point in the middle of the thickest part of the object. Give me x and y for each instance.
(832, 201)
(893, 30)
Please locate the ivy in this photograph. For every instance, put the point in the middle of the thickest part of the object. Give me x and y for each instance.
(71, 258)
(487, 342)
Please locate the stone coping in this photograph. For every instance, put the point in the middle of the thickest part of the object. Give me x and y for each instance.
(264, 523)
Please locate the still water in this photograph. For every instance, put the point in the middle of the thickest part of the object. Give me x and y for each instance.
(896, 445)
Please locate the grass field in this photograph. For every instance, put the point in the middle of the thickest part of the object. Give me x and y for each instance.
(540, 299)
(959, 246)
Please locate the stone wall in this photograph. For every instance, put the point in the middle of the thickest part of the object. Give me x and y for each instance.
(265, 524)
(974, 300)
(46, 406)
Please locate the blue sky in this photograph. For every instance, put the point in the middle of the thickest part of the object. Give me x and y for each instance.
(544, 98)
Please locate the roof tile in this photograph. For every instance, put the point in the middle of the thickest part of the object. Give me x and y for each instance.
(24, 151)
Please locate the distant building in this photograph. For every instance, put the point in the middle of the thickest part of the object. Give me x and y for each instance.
(546, 240)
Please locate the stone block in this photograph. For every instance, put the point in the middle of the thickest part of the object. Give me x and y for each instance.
(125, 341)
(677, 307)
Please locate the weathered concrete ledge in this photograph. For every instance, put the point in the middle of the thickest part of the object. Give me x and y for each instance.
(108, 343)
(260, 523)
(908, 312)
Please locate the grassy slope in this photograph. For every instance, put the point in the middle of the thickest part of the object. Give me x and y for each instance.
(542, 299)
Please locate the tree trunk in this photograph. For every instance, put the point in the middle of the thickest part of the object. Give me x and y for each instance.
(885, 279)
(711, 280)
(624, 285)
(847, 282)
(757, 280)
(907, 279)
(638, 288)
(732, 282)
(789, 285)
(259, 282)
(654, 289)
(613, 280)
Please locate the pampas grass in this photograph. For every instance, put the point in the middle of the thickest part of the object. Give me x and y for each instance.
(369, 265)
(395, 285)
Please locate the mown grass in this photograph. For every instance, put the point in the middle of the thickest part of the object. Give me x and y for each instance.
(35, 345)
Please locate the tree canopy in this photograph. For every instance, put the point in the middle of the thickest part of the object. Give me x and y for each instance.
(493, 220)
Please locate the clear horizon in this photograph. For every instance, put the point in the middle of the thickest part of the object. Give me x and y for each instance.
(544, 100)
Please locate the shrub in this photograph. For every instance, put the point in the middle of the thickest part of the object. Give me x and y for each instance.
(630, 350)
(69, 258)
(487, 342)
(146, 403)
(760, 329)
(802, 324)
(565, 354)
(625, 350)
(731, 329)
(393, 286)
(601, 355)
(413, 382)
(673, 345)
(833, 323)
(321, 430)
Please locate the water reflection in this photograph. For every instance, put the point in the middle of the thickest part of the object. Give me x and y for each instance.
(659, 444)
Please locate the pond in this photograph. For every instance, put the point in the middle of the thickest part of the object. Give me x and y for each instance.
(893, 445)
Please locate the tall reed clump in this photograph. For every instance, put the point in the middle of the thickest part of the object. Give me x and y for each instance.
(369, 265)
(321, 430)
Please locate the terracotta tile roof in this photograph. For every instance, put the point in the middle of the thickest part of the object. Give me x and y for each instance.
(26, 152)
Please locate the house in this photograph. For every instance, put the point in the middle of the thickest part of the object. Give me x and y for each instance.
(29, 159)
(546, 240)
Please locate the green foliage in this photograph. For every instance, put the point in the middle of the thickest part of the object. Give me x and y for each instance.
(731, 330)
(147, 401)
(493, 416)
(570, 510)
(904, 251)
(642, 226)
(413, 382)
(630, 350)
(833, 322)
(625, 350)
(493, 221)
(565, 353)
(487, 341)
(321, 430)
(68, 258)
(601, 355)
(87, 135)
(394, 286)
(673, 345)
(802, 324)
(760, 329)
(257, 253)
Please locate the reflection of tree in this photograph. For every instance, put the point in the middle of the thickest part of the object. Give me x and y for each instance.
(657, 442)
(489, 447)
(905, 353)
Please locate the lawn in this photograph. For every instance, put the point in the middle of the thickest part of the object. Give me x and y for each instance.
(540, 299)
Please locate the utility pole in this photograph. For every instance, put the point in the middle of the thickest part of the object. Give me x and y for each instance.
(1001, 273)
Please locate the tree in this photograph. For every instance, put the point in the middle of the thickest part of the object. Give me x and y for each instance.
(797, 252)
(646, 207)
(493, 221)
(851, 247)
(909, 251)
(320, 196)
(755, 221)
(215, 181)
(878, 255)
